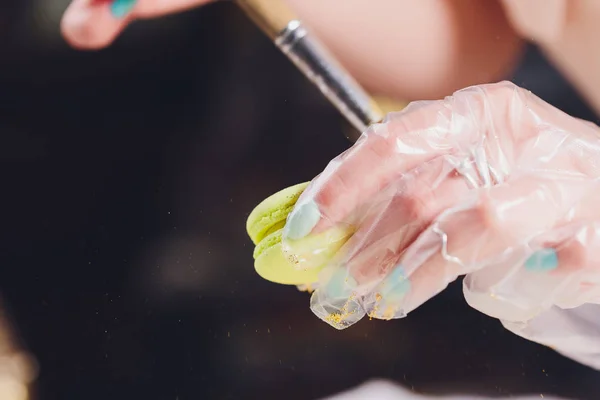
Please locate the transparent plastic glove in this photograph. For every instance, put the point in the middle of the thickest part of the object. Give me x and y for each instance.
(382, 390)
(492, 183)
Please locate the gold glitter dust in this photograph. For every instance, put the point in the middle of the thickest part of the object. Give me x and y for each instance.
(389, 313)
(373, 313)
(336, 319)
(307, 287)
(292, 258)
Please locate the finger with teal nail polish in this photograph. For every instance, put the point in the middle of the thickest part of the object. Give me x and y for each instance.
(339, 313)
(396, 288)
(336, 301)
(544, 260)
(121, 8)
(390, 295)
(302, 220)
(340, 285)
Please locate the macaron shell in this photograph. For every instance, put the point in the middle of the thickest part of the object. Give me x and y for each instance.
(303, 259)
(273, 266)
(317, 250)
(272, 211)
(270, 240)
(312, 252)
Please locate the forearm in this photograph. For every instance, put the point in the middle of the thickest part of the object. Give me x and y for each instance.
(568, 32)
(415, 50)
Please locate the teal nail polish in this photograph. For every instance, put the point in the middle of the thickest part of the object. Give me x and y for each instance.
(542, 261)
(302, 221)
(397, 275)
(340, 284)
(396, 286)
(120, 8)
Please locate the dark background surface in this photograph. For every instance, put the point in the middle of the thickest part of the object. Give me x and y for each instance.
(127, 175)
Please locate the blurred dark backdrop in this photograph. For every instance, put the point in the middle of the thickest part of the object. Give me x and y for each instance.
(127, 175)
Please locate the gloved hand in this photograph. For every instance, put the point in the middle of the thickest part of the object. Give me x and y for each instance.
(491, 183)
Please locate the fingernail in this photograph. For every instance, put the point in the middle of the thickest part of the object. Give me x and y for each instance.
(389, 298)
(395, 286)
(341, 284)
(302, 220)
(542, 261)
(120, 8)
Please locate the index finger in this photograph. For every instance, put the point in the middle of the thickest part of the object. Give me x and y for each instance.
(490, 118)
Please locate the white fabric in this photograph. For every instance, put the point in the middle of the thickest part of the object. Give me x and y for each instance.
(382, 390)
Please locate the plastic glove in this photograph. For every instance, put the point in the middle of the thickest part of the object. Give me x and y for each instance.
(493, 183)
(382, 390)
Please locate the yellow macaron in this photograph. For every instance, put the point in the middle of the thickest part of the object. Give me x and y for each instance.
(265, 227)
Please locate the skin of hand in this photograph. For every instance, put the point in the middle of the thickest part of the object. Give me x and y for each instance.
(566, 30)
(491, 183)
(402, 49)
(405, 49)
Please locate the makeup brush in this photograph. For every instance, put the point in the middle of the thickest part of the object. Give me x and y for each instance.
(278, 21)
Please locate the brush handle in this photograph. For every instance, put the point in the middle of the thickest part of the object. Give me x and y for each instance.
(313, 59)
